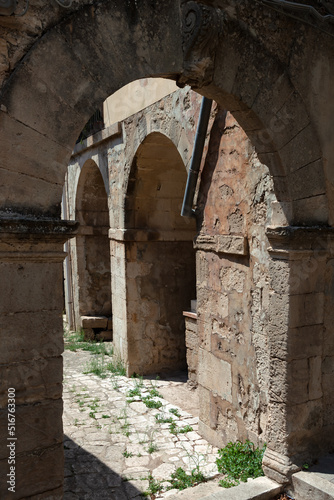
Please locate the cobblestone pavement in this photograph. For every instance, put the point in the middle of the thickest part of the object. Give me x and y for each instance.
(112, 445)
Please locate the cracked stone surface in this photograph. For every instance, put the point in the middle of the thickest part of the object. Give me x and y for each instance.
(113, 445)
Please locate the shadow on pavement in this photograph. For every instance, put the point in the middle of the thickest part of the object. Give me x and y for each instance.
(87, 478)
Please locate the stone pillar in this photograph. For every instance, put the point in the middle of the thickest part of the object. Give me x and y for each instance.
(118, 294)
(31, 257)
(153, 281)
(301, 344)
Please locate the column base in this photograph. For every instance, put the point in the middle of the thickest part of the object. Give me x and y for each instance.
(278, 467)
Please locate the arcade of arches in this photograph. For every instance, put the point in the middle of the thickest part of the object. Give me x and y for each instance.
(261, 346)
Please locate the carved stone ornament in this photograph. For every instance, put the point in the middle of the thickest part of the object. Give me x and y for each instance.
(202, 26)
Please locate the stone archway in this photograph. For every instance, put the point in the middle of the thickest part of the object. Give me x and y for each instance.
(159, 261)
(92, 292)
(277, 97)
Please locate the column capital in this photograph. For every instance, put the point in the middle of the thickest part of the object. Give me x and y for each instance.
(300, 241)
(34, 239)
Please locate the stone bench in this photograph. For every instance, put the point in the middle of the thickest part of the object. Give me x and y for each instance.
(97, 327)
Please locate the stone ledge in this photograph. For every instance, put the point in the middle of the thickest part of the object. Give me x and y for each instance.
(235, 245)
(261, 488)
(310, 486)
(27, 227)
(190, 314)
(94, 140)
(299, 238)
(26, 239)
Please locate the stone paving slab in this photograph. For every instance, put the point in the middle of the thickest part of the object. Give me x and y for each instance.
(113, 445)
(325, 467)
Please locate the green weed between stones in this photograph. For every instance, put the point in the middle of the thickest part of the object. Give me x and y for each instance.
(127, 454)
(161, 419)
(75, 341)
(154, 486)
(181, 480)
(174, 429)
(98, 367)
(135, 394)
(239, 461)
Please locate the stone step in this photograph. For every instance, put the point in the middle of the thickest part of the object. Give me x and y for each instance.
(312, 486)
(261, 488)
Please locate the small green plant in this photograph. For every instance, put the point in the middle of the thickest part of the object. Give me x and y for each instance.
(175, 412)
(181, 480)
(125, 426)
(305, 466)
(152, 447)
(93, 406)
(151, 403)
(174, 429)
(239, 461)
(186, 428)
(97, 367)
(161, 419)
(134, 392)
(127, 454)
(116, 367)
(154, 393)
(106, 416)
(154, 485)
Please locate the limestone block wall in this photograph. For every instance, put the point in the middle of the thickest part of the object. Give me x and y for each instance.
(234, 207)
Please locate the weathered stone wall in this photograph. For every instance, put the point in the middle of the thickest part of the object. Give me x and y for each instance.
(234, 206)
(160, 286)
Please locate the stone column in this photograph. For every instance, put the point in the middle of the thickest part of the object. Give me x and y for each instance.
(118, 294)
(301, 343)
(153, 281)
(31, 256)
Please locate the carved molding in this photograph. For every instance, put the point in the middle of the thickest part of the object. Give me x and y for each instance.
(202, 26)
(278, 467)
(229, 244)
